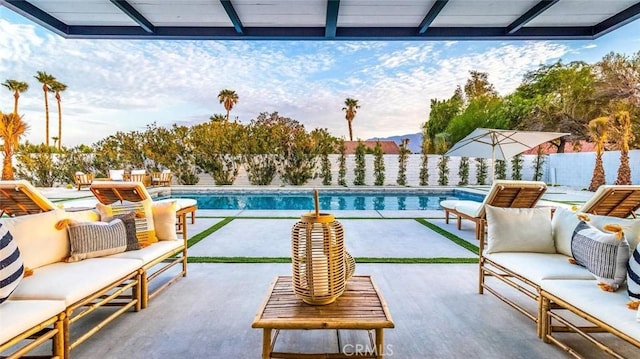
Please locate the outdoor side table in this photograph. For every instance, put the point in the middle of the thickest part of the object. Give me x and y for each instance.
(361, 307)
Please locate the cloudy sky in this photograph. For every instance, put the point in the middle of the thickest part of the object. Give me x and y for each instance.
(118, 85)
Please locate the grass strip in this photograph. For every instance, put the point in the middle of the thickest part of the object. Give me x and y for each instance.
(202, 235)
(439, 260)
(452, 237)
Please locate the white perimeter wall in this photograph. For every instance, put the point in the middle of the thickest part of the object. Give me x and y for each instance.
(565, 169)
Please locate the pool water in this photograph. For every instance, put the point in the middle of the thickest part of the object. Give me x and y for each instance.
(328, 201)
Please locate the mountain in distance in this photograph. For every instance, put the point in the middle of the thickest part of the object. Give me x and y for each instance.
(415, 140)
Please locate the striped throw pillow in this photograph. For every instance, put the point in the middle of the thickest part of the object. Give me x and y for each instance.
(145, 228)
(96, 239)
(604, 254)
(11, 267)
(633, 275)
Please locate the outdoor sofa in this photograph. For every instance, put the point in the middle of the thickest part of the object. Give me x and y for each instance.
(48, 303)
(530, 252)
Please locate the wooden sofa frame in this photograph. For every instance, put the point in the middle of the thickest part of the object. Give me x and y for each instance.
(50, 329)
(552, 308)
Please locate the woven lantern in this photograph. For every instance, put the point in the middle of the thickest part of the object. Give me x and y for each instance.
(318, 257)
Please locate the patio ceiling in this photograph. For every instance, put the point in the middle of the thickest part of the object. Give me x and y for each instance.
(329, 19)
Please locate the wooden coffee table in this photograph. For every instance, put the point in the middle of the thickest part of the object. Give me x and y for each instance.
(361, 307)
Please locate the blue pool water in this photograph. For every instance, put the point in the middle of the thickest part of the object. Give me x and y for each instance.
(328, 200)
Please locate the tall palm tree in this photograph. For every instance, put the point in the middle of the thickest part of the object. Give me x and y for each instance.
(622, 131)
(351, 107)
(599, 131)
(58, 87)
(46, 80)
(11, 129)
(228, 98)
(17, 87)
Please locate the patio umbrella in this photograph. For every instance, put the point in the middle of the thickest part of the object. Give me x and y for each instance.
(499, 144)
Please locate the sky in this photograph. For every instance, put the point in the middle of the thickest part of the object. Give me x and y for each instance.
(124, 85)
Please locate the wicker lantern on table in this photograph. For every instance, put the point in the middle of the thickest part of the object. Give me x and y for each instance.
(318, 257)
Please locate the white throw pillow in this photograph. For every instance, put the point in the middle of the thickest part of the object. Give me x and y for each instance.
(519, 230)
(630, 227)
(116, 175)
(563, 224)
(164, 220)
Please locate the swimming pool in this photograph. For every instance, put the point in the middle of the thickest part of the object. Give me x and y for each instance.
(343, 200)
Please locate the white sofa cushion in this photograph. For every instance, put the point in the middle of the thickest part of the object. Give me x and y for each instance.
(539, 266)
(11, 268)
(72, 282)
(152, 252)
(26, 314)
(181, 202)
(116, 175)
(519, 230)
(604, 254)
(38, 239)
(610, 308)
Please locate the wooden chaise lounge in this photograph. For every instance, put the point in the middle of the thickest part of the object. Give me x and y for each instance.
(503, 193)
(620, 201)
(19, 198)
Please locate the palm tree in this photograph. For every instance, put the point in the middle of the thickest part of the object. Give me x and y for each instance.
(351, 107)
(11, 129)
(228, 98)
(622, 131)
(58, 87)
(46, 80)
(599, 131)
(17, 87)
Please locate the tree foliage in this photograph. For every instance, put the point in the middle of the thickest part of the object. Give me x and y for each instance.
(360, 167)
(378, 165)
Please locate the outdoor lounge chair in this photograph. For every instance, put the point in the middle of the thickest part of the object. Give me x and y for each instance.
(83, 179)
(18, 198)
(614, 201)
(161, 178)
(503, 193)
(109, 192)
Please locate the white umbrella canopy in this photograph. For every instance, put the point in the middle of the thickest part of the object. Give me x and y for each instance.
(499, 144)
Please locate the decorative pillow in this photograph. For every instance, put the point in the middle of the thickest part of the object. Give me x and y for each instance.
(116, 175)
(633, 279)
(164, 220)
(605, 255)
(563, 224)
(519, 230)
(630, 227)
(96, 239)
(129, 220)
(11, 268)
(145, 229)
(39, 241)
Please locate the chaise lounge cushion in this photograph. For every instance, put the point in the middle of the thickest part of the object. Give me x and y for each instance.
(152, 252)
(519, 230)
(96, 239)
(39, 241)
(26, 314)
(608, 307)
(540, 266)
(72, 282)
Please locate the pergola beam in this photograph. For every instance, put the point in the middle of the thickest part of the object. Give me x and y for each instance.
(431, 15)
(538, 9)
(36, 15)
(331, 23)
(130, 11)
(233, 16)
(618, 20)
